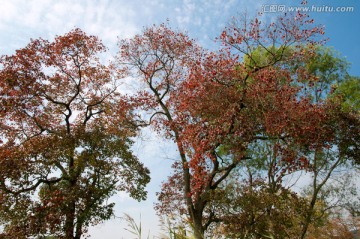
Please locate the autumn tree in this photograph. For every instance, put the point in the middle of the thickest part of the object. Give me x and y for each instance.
(330, 71)
(336, 228)
(65, 139)
(205, 101)
(265, 176)
(260, 202)
(160, 59)
(327, 164)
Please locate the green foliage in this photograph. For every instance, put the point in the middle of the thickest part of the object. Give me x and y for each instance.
(349, 91)
(261, 57)
(326, 67)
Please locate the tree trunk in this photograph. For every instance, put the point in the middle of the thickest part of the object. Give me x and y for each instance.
(69, 221)
(198, 227)
(79, 225)
(198, 233)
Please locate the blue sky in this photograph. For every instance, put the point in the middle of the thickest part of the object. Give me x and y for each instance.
(21, 20)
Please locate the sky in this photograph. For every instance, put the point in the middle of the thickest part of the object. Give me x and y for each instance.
(21, 20)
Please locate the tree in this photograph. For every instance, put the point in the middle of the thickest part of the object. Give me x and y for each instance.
(330, 70)
(160, 58)
(336, 228)
(206, 101)
(65, 139)
(267, 166)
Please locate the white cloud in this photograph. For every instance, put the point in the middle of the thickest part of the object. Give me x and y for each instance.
(47, 18)
(7, 11)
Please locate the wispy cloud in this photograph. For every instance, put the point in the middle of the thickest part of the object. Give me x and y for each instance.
(109, 18)
(47, 18)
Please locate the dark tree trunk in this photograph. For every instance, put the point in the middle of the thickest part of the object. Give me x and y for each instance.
(198, 227)
(69, 221)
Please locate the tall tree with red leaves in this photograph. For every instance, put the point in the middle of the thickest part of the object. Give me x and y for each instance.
(65, 139)
(226, 101)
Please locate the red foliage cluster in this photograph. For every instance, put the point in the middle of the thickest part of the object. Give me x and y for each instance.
(205, 101)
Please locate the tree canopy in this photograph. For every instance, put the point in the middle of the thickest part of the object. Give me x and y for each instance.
(269, 104)
(261, 87)
(65, 138)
